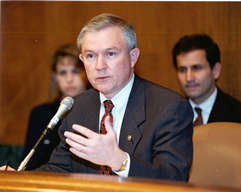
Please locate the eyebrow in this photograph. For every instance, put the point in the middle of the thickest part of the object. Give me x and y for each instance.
(87, 51)
(197, 64)
(109, 48)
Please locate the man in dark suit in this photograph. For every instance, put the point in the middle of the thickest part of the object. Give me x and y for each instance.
(148, 132)
(197, 60)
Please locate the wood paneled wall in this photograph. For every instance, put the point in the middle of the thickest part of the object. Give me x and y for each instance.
(31, 31)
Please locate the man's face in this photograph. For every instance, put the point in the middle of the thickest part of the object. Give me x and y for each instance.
(108, 63)
(195, 75)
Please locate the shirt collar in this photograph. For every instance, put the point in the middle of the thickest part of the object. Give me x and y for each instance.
(122, 96)
(207, 105)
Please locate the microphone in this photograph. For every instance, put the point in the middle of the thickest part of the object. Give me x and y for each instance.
(65, 105)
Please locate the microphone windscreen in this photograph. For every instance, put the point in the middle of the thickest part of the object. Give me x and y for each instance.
(68, 102)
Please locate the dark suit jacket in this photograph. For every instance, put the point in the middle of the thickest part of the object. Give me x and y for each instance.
(38, 120)
(225, 108)
(159, 121)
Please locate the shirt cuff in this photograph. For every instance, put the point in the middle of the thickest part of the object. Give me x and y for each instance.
(125, 172)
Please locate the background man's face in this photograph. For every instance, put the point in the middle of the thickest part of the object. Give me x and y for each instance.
(195, 75)
(108, 63)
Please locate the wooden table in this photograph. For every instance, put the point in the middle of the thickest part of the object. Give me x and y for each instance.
(47, 181)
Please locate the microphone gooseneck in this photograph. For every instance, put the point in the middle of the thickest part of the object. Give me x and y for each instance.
(65, 105)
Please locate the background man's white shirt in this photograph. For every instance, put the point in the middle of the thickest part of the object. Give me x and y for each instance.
(206, 106)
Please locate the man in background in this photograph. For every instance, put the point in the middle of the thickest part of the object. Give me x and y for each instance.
(197, 60)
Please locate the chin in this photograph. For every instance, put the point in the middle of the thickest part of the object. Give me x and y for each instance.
(191, 95)
(194, 97)
(71, 94)
(103, 89)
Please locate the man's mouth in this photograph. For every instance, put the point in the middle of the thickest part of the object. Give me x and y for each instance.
(192, 87)
(100, 79)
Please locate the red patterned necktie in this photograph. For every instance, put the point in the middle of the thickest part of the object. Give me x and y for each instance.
(108, 108)
(199, 119)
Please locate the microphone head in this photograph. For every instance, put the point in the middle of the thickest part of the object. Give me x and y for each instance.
(65, 105)
(68, 102)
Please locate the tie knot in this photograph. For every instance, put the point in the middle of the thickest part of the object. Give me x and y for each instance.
(199, 119)
(198, 110)
(108, 106)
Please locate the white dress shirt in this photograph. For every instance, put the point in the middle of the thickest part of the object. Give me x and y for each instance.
(205, 106)
(120, 101)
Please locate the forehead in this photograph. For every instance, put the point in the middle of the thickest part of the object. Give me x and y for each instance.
(109, 37)
(66, 61)
(195, 57)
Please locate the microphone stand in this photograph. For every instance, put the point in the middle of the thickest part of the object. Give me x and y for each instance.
(23, 164)
(65, 105)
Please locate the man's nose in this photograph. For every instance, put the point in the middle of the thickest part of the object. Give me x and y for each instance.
(190, 76)
(100, 63)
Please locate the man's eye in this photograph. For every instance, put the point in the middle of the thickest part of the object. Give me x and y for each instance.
(90, 56)
(182, 69)
(197, 67)
(110, 54)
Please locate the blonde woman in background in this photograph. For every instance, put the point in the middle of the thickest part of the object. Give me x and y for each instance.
(69, 79)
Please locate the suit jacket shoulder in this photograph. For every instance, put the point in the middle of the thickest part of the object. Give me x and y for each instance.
(225, 108)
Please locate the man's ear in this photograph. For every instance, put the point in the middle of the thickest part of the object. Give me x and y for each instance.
(216, 70)
(81, 58)
(134, 54)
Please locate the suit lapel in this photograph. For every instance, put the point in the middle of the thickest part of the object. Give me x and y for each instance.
(90, 116)
(215, 108)
(134, 116)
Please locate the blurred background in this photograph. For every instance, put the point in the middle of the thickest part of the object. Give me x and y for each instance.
(31, 31)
